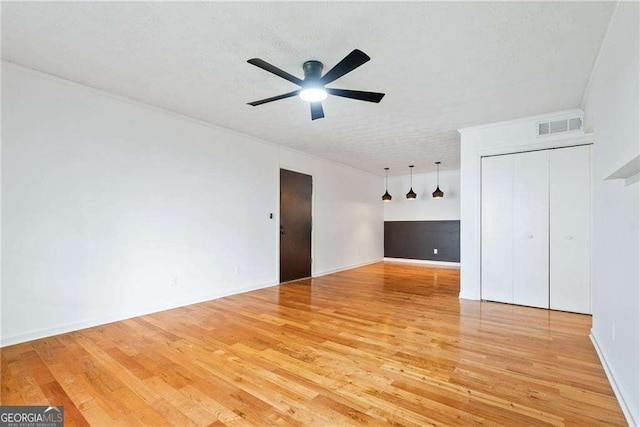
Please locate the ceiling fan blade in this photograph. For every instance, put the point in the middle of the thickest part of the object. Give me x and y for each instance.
(348, 63)
(356, 94)
(275, 70)
(274, 98)
(316, 110)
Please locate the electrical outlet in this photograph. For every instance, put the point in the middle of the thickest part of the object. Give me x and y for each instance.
(237, 269)
(174, 281)
(435, 252)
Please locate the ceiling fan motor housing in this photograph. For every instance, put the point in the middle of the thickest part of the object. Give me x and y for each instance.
(312, 71)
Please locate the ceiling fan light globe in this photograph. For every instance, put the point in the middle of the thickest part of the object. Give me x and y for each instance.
(313, 94)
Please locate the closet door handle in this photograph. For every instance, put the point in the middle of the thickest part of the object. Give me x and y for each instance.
(568, 237)
(530, 236)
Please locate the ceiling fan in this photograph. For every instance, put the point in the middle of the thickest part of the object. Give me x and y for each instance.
(312, 88)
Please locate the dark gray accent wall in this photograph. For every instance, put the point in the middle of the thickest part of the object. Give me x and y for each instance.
(418, 239)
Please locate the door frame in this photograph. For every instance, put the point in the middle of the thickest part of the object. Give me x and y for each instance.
(313, 214)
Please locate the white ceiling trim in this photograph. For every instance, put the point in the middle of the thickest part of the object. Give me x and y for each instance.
(538, 117)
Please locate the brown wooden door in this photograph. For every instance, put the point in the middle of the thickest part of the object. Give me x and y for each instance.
(295, 225)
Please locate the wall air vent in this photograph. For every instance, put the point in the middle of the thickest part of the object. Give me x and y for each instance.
(559, 126)
(575, 124)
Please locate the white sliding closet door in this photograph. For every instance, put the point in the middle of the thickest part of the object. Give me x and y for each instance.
(531, 229)
(497, 228)
(570, 229)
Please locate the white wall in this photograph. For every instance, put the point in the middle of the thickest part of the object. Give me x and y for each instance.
(497, 138)
(106, 201)
(612, 112)
(425, 207)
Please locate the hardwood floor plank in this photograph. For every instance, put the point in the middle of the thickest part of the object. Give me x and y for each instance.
(56, 395)
(385, 344)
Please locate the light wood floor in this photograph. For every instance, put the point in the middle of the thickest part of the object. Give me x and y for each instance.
(382, 344)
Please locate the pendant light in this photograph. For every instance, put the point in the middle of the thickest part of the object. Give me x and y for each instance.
(438, 194)
(386, 197)
(411, 195)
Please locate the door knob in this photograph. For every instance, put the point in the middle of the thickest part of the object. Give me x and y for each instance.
(568, 237)
(530, 236)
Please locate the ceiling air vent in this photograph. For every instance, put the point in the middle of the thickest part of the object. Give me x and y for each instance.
(559, 126)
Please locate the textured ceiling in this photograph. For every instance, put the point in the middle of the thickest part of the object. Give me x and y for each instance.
(442, 65)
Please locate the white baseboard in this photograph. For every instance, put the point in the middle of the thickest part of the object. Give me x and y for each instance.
(424, 262)
(89, 323)
(626, 410)
(347, 267)
(469, 297)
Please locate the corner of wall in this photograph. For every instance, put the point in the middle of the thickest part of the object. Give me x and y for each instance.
(633, 420)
